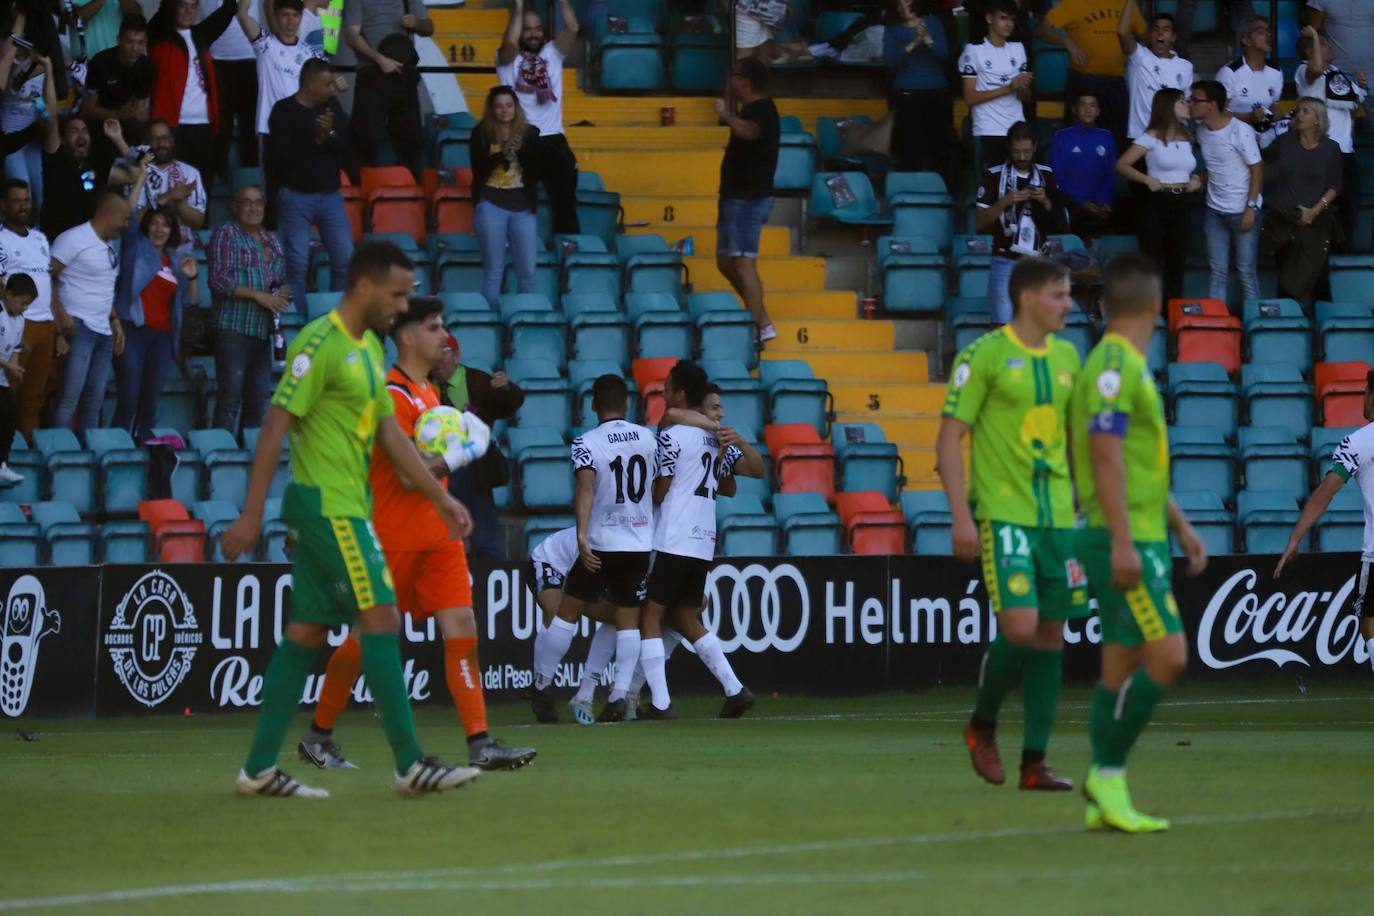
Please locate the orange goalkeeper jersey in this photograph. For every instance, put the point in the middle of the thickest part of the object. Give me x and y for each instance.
(405, 519)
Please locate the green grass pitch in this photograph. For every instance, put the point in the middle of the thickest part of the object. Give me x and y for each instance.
(861, 805)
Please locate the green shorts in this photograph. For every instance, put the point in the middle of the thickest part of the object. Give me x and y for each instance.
(1146, 613)
(337, 569)
(1033, 567)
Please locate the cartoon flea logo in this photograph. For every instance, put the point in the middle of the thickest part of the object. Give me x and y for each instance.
(27, 619)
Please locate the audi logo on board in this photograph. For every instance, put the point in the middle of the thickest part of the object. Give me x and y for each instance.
(758, 607)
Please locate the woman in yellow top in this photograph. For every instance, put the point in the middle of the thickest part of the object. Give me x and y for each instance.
(505, 183)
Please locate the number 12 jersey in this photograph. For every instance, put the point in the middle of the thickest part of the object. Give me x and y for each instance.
(623, 457)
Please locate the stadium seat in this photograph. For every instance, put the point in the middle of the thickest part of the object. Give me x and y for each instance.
(546, 281)
(354, 208)
(544, 476)
(1202, 395)
(178, 406)
(1272, 459)
(830, 141)
(123, 470)
(28, 463)
(480, 332)
(1278, 330)
(1323, 446)
(274, 533)
(868, 462)
(586, 266)
(972, 262)
(536, 529)
(217, 516)
(1209, 518)
(597, 328)
(1266, 518)
(1200, 459)
(1051, 66)
(808, 526)
(796, 163)
(967, 319)
(227, 466)
(456, 263)
(283, 473)
(452, 207)
(1340, 392)
(1081, 331)
(649, 376)
(700, 62)
(20, 539)
(1341, 526)
(548, 402)
(582, 375)
(598, 210)
(71, 542)
(871, 526)
(913, 272)
(661, 328)
(795, 395)
(395, 203)
(846, 198)
(929, 521)
(1350, 275)
(1109, 246)
(633, 61)
(1157, 356)
(743, 528)
(651, 265)
(921, 206)
(188, 476)
(536, 331)
(71, 470)
(801, 461)
(725, 329)
(1205, 332)
(318, 304)
(1277, 395)
(744, 400)
(177, 538)
(1345, 330)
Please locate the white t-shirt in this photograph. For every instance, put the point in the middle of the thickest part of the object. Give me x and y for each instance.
(87, 281)
(279, 71)
(11, 333)
(546, 115)
(552, 559)
(1341, 120)
(19, 101)
(1354, 457)
(991, 67)
(312, 30)
(622, 455)
(1171, 163)
(1147, 74)
(1246, 87)
(1229, 153)
(232, 44)
(195, 104)
(686, 525)
(29, 254)
(163, 177)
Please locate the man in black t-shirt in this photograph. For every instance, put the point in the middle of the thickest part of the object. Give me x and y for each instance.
(746, 185)
(119, 82)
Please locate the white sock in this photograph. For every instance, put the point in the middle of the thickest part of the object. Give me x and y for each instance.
(636, 682)
(651, 657)
(713, 657)
(626, 658)
(1370, 646)
(549, 648)
(598, 657)
(671, 640)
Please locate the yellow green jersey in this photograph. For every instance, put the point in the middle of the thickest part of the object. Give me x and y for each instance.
(1116, 395)
(1015, 398)
(334, 386)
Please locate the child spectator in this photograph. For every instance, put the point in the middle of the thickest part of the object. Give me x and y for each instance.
(20, 290)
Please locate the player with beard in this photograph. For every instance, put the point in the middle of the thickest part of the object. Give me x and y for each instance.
(334, 404)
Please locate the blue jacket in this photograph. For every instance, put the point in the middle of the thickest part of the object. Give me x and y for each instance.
(139, 263)
(1084, 163)
(922, 68)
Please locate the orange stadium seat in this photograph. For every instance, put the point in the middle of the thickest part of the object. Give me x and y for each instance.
(1340, 393)
(649, 375)
(871, 526)
(1178, 309)
(353, 206)
(450, 203)
(177, 538)
(802, 462)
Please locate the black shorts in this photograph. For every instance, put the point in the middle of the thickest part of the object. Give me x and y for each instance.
(678, 581)
(542, 576)
(620, 578)
(1363, 606)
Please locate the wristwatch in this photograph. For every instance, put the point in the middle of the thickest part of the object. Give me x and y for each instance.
(1253, 204)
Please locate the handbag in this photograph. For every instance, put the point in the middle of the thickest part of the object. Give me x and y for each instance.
(770, 12)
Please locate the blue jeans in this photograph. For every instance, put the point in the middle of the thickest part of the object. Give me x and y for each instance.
(85, 373)
(999, 290)
(296, 213)
(139, 373)
(1221, 228)
(495, 227)
(243, 366)
(739, 223)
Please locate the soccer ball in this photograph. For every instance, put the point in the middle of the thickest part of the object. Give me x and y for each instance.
(453, 434)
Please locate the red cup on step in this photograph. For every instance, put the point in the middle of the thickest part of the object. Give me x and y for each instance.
(667, 115)
(870, 306)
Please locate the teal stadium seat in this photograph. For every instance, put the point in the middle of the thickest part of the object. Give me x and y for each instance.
(217, 516)
(913, 273)
(1209, 518)
(535, 330)
(796, 162)
(1081, 331)
(651, 265)
(21, 541)
(868, 462)
(700, 62)
(661, 328)
(1271, 458)
(544, 476)
(1277, 395)
(71, 470)
(921, 206)
(480, 332)
(227, 466)
(1266, 517)
(548, 401)
(597, 329)
(632, 62)
(1341, 526)
(319, 304)
(1350, 275)
(1277, 330)
(1324, 440)
(1157, 357)
(71, 542)
(744, 529)
(547, 275)
(28, 463)
(847, 198)
(967, 319)
(1345, 330)
(598, 210)
(744, 400)
(1050, 64)
(830, 141)
(929, 522)
(1200, 459)
(178, 407)
(586, 266)
(795, 395)
(725, 329)
(123, 474)
(1202, 395)
(582, 375)
(274, 533)
(536, 529)
(808, 526)
(972, 262)
(456, 262)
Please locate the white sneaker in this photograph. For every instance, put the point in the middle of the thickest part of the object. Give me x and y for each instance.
(273, 783)
(427, 776)
(823, 50)
(9, 478)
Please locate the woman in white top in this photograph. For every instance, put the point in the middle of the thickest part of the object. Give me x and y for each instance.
(1169, 182)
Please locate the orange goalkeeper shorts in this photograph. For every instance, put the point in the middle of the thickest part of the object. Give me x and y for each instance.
(430, 580)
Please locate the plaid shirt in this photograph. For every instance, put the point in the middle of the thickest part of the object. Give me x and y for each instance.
(239, 259)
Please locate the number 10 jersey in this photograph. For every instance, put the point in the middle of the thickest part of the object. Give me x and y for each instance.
(623, 457)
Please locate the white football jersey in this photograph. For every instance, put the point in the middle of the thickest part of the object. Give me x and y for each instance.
(686, 523)
(552, 559)
(1354, 457)
(1146, 74)
(992, 67)
(29, 254)
(1246, 88)
(622, 455)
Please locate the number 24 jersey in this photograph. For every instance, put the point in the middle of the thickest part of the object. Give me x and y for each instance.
(622, 455)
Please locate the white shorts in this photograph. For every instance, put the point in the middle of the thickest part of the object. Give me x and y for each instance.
(749, 32)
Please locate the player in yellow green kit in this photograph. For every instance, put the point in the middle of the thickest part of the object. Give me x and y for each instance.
(332, 400)
(1010, 389)
(1121, 466)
